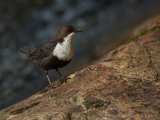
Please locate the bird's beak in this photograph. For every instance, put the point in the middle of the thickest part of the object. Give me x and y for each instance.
(79, 30)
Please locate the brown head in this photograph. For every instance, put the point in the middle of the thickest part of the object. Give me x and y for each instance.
(65, 31)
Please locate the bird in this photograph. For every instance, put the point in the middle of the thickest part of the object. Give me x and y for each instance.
(54, 53)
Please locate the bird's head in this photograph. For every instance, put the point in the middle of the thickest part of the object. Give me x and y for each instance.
(67, 33)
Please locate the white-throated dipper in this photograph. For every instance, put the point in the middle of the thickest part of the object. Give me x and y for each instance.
(55, 53)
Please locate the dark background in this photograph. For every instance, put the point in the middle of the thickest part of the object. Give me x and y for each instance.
(31, 22)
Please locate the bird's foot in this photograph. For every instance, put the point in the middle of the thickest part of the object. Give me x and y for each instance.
(54, 84)
(64, 79)
(58, 83)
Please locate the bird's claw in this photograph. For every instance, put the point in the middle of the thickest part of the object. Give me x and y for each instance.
(64, 79)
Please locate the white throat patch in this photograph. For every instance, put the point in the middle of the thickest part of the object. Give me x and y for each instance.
(64, 50)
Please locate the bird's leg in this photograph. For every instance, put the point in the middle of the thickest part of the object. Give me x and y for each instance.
(63, 79)
(58, 72)
(46, 74)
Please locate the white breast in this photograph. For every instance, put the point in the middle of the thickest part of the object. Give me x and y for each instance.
(64, 50)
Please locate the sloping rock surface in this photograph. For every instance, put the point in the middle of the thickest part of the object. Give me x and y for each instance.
(124, 85)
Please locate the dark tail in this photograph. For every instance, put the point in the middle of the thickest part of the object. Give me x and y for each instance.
(26, 50)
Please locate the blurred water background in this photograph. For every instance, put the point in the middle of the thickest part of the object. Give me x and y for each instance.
(31, 22)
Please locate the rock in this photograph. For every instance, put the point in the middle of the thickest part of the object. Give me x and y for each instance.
(125, 84)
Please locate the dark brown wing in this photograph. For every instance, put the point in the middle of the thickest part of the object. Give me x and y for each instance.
(44, 51)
